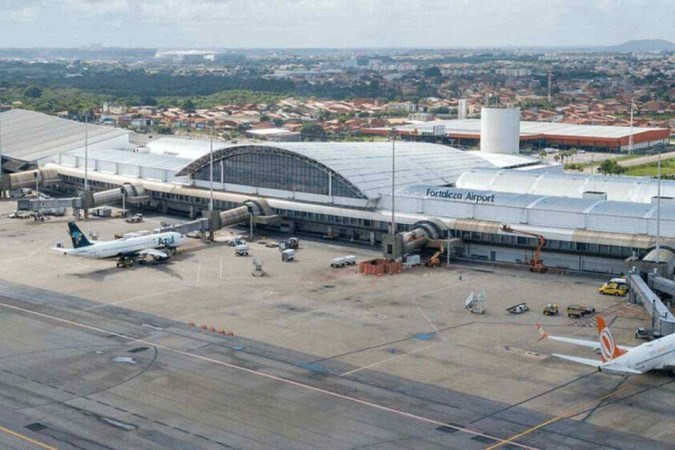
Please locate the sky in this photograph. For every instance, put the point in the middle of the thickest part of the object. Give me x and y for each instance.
(332, 23)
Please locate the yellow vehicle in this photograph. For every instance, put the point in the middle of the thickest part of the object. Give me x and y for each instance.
(613, 289)
(551, 310)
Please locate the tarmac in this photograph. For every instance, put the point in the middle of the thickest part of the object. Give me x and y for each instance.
(305, 357)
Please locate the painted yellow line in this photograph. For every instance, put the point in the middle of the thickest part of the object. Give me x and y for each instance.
(266, 375)
(573, 412)
(26, 438)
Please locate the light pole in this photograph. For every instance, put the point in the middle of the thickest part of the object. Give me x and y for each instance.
(658, 209)
(211, 171)
(630, 138)
(86, 152)
(2, 192)
(393, 182)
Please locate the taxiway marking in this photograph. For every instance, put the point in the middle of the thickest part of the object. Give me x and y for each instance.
(259, 373)
(26, 438)
(573, 412)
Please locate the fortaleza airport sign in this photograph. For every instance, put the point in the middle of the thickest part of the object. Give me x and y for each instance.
(467, 196)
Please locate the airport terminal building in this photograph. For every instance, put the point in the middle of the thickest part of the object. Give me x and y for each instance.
(344, 191)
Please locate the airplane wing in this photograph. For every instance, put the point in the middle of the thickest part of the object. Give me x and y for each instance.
(613, 369)
(595, 345)
(576, 359)
(157, 254)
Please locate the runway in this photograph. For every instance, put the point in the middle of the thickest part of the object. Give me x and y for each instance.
(73, 376)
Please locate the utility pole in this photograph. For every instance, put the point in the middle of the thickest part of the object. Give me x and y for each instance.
(86, 152)
(211, 173)
(550, 75)
(658, 210)
(630, 138)
(2, 192)
(393, 182)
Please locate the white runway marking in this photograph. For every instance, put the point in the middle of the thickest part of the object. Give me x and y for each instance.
(377, 363)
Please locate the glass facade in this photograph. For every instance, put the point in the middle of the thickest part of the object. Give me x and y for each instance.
(268, 168)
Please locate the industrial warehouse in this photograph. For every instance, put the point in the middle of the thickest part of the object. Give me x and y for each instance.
(468, 199)
(536, 135)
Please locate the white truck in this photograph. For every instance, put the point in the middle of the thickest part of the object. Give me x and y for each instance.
(241, 250)
(337, 262)
(288, 255)
(349, 260)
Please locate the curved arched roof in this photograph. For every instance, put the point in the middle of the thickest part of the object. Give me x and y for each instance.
(366, 166)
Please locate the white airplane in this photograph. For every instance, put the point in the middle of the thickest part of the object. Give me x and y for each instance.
(159, 246)
(658, 354)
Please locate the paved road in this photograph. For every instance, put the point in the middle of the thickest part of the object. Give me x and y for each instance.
(113, 378)
(646, 159)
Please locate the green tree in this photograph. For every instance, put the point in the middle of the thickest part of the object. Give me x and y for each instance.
(32, 92)
(432, 72)
(149, 101)
(164, 129)
(188, 106)
(313, 132)
(611, 167)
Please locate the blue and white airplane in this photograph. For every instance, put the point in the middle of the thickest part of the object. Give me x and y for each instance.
(159, 246)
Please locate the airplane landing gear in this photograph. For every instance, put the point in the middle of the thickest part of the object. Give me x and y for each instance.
(125, 263)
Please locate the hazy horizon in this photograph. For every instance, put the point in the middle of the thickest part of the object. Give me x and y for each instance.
(331, 24)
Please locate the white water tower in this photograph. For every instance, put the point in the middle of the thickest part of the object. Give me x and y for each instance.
(500, 130)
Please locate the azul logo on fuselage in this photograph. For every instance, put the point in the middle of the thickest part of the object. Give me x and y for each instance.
(167, 241)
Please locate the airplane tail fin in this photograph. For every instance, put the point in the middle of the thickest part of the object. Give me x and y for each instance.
(542, 333)
(77, 236)
(608, 347)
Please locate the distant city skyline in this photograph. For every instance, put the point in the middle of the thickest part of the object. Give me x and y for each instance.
(331, 23)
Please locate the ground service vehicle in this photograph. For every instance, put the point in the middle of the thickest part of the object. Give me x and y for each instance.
(136, 218)
(518, 309)
(475, 303)
(647, 333)
(350, 260)
(288, 255)
(290, 243)
(337, 262)
(551, 310)
(536, 263)
(613, 289)
(577, 311)
(233, 242)
(241, 250)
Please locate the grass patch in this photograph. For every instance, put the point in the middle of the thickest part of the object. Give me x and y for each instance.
(651, 169)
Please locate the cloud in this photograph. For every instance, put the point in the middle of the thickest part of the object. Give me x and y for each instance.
(333, 23)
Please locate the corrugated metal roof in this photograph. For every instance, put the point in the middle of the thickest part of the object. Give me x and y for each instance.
(472, 126)
(183, 147)
(367, 165)
(618, 188)
(142, 159)
(30, 136)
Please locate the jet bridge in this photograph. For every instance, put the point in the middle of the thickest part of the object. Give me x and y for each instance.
(640, 293)
(87, 200)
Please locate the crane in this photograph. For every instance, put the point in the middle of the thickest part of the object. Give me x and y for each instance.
(536, 264)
